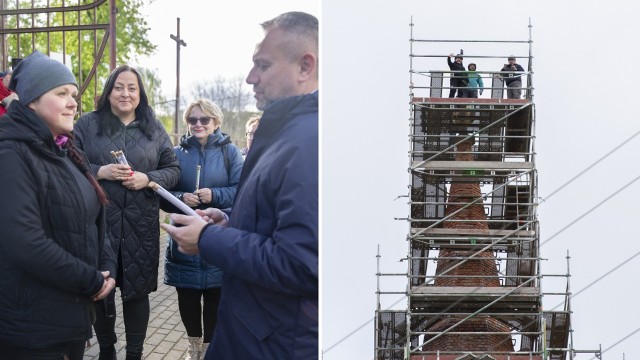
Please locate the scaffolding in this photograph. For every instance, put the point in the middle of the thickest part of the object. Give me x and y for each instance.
(486, 145)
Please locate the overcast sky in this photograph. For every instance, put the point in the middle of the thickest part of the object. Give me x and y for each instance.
(584, 62)
(220, 37)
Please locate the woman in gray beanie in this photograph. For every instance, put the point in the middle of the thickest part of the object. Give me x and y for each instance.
(54, 260)
(124, 121)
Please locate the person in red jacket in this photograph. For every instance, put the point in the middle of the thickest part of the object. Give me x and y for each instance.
(6, 95)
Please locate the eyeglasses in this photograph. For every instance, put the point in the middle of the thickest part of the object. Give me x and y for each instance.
(204, 120)
(250, 135)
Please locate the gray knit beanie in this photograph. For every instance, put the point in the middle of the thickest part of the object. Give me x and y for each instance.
(37, 74)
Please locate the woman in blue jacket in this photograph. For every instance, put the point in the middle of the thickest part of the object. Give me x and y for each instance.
(475, 83)
(210, 171)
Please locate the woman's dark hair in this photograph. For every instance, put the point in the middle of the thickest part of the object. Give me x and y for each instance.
(144, 112)
(83, 166)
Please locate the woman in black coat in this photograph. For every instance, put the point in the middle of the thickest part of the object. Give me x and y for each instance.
(124, 121)
(54, 259)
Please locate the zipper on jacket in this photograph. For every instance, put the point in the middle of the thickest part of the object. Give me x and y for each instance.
(203, 148)
(126, 191)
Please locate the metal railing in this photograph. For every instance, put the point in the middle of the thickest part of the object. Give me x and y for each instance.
(75, 32)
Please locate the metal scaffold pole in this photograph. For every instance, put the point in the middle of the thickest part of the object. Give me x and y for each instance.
(473, 243)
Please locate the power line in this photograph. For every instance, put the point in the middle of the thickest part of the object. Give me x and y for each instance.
(353, 332)
(546, 241)
(618, 342)
(606, 274)
(591, 210)
(549, 239)
(590, 166)
(553, 236)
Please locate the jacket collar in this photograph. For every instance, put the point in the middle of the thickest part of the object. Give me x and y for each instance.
(217, 138)
(25, 126)
(275, 117)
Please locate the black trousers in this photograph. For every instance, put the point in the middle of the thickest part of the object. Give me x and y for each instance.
(456, 86)
(72, 351)
(195, 313)
(136, 319)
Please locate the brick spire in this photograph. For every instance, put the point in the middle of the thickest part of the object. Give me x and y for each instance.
(461, 194)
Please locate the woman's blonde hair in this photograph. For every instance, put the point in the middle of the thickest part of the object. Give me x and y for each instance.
(208, 107)
(255, 119)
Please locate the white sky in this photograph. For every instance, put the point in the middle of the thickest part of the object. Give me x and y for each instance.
(220, 37)
(584, 56)
(584, 62)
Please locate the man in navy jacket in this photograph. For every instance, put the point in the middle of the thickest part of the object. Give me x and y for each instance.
(511, 79)
(268, 249)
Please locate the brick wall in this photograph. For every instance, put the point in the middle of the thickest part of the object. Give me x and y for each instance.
(481, 264)
(471, 342)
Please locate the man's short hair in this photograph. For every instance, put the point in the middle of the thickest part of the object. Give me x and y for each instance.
(296, 23)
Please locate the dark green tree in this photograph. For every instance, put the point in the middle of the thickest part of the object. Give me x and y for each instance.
(157, 100)
(153, 87)
(80, 46)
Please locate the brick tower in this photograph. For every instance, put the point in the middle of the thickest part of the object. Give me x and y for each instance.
(473, 277)
(465, 272)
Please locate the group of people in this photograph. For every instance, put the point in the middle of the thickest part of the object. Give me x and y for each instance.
(467, 83)
(79, 223)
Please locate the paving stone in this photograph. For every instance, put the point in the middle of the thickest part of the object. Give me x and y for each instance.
(165, 333)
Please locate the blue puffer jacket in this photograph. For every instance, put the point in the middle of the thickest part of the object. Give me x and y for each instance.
(475, 81)
(269, 252)
(187, 271)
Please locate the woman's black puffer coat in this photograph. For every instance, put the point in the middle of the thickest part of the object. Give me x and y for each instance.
(50, 257)
(132, 216)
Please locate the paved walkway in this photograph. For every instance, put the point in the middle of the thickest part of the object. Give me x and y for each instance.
(166, 337)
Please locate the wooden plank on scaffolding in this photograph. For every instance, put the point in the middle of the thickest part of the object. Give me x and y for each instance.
(471, 165)
(483, 101)
(457, 356)
(454, 298)
(471, 232)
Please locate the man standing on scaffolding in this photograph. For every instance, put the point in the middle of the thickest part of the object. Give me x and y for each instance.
(459, 79)
(513, 81)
